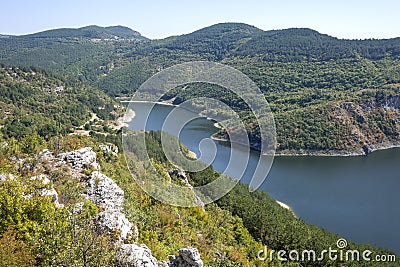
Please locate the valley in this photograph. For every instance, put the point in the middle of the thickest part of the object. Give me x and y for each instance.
(69, 194)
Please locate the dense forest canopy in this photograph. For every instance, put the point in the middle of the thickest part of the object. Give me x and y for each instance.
(35, 102)
(328, 95)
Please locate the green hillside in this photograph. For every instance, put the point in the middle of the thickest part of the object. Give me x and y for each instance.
(230, 232)
(34, 102)
(42, 109)
(328, 95)
(92, 31)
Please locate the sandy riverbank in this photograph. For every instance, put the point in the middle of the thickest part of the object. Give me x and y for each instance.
(126, 119)
(286, 206)
(191, 155)
(216, 125)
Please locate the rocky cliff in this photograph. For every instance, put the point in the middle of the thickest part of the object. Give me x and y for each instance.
(109, 198)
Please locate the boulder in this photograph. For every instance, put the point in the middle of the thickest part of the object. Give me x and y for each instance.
(79, 159)
(133, 255)
(4, 177)
(113, 221)
(46, 190)
(109, 149)
(45, 155)
(188, 257)
(103, 192)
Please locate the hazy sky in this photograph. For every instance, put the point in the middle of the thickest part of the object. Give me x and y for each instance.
(157, 19)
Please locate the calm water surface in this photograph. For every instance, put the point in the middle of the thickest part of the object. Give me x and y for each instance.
(356, 197)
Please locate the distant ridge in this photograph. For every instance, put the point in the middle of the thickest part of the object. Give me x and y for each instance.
(123, 31)
(216, 42)
(91, 31)
(313, 81)
(227, 32)
(293, 44)
(222, 36)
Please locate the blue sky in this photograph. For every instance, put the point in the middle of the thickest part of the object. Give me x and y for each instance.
(355, 19)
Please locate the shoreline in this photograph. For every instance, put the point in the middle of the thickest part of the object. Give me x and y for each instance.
(286, 206)
(125, 119)
(151, 102)
(344, 154)
(276, 154)
(191, 154)
(317, 154)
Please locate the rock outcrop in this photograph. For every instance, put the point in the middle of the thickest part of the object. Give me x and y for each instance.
(4, 177)
(109, 197)
(133, 255)
(42, 189)
(109, 149)
(104, 192)
(80, 159)
(188, 257)
(45, 190)
(114, 221)
(45, 154)
(182, 175)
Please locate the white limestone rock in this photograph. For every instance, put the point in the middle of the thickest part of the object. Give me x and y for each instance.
(188, 257)
(42, 178)
(112, 221)
(6, 176)
(79, 159)
(45, 154)
(109, 149)
(95, 166)
(133, 255)
(103, 192)
(46, 190)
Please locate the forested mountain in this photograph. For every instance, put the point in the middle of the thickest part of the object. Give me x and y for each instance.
(93, 31)
(86, 53)
(219, 39)
(319, 87)
(35, 102)
(306, 44)
(328, 96)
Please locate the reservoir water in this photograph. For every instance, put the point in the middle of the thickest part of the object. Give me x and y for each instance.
(355, 197)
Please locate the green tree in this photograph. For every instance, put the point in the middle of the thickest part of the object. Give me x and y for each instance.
(32, 144)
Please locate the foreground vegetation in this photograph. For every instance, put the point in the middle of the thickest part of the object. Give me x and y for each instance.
(34, 232)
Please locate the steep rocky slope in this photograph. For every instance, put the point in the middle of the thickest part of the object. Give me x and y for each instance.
(109, 198)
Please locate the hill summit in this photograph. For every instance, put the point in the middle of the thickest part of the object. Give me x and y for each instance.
(91, 31)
